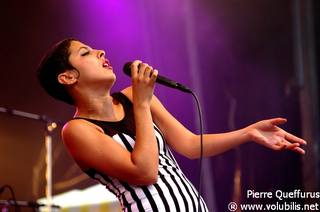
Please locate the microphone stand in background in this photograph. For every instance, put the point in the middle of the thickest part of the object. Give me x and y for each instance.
(50, 126)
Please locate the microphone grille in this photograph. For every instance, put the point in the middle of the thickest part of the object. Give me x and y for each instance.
(127, 68)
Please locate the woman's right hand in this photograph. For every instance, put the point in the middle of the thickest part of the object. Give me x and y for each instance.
(143, 79)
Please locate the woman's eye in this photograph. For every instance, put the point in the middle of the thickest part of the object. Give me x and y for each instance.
(85, 53)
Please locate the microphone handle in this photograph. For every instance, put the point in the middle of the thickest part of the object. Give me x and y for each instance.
(161, 80)
(172, 84)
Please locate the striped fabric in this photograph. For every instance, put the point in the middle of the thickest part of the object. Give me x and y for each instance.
(172, 191)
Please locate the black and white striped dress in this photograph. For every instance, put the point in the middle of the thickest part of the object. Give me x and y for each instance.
(172, 191)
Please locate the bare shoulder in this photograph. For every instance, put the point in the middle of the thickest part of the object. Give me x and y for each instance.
(77, 128)
(79, 123)
(80, 136)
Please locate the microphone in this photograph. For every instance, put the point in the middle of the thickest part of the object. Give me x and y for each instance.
(160, 79)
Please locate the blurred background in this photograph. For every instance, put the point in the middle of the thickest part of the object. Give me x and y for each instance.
(247, 60)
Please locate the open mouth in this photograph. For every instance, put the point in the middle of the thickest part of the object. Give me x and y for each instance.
(106, 64)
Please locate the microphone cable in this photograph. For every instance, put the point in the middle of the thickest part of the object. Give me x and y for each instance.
(201, 149)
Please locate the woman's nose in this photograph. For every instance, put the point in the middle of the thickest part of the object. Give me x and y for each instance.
(101, 53)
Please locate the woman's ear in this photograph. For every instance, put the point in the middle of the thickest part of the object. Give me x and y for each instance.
(68, 77)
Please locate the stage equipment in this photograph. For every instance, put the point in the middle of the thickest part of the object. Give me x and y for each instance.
(50, 126)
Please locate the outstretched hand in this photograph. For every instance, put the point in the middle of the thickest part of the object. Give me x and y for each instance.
(268, 134)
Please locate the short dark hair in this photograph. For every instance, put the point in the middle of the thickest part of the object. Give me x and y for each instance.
(55, 62)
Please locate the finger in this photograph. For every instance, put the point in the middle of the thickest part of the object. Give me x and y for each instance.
(136, 62)
(299, 150)
(154, 75)
(294, 139)
(151, 70)
(291, 146)
(134, 68)
(142, 69)
(277, 121)
(147, 72)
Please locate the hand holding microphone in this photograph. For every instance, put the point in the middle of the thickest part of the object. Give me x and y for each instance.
(143, 80)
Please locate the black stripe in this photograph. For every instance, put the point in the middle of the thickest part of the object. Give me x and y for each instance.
(111, 187)
(163, 198)
(150, 198)
(195, 192)
(176, 173)
(126, 204)
(165, 168)
(204, 205)
(122, 198)
(134, 195)
(118, 194)
(162, 137)
(123, 201)
(171, 192)
(158, 143)
(166, 160)
(166, 150)
(181, 193)
(125, 142)
(172, 158)
(187, 189)
(178, 187)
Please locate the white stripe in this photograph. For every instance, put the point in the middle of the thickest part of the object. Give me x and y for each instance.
(117, 138)
(167, 195)
(193, 191)
(146, 204)
(172, 157)
(122, 189)
(134, 207)
(161, 143)
(177, 193)
(185, 192)
(130, 140)
(157, 199)
(174, 186)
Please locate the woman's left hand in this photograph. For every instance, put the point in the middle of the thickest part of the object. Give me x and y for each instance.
(268, 134)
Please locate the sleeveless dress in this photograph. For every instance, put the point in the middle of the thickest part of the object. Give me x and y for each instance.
(172, 191)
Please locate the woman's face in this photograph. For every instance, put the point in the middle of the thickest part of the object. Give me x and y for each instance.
(91, 64)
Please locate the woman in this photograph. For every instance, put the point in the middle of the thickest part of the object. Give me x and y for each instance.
(123, 139)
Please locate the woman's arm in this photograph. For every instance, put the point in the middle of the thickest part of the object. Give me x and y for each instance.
(187, 143)
(92, 149)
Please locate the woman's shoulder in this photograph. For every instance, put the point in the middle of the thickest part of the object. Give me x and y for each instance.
(78, 126)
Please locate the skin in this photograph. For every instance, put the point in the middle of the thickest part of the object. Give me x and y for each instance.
(90, 84)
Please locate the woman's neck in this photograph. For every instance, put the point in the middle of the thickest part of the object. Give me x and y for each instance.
(100, 108)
